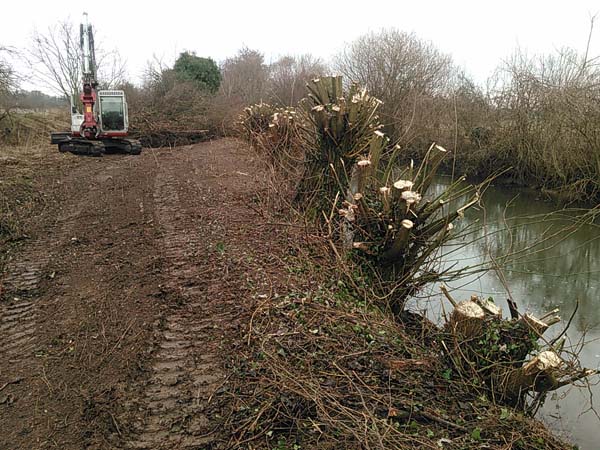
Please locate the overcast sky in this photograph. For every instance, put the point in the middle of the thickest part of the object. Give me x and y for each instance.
(478, 34)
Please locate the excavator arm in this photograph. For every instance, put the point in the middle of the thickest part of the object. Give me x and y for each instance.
(89, 127)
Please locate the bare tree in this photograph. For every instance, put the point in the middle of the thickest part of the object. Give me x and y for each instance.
(153, 72)
(112, 69)
(55, 59)
(405, 72)
(8, 79)
(8, 82)
(245, 77)
(288, 77)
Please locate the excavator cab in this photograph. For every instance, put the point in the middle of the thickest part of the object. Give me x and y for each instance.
(112, 112)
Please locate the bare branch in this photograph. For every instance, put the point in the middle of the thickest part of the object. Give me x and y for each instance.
(55, 60)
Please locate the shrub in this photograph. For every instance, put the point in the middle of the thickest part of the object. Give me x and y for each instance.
(168, 110)
(288, 77)
(245, 77)
(395, 229)
(204, 72)
(389, 229)
(546, 122)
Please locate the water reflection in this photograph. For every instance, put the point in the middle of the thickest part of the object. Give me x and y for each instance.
(549, 259)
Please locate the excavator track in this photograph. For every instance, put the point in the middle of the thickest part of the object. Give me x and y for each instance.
(81, 146)
(129, 146)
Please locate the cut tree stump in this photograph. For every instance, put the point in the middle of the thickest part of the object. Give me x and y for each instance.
(466, 320)
(539, 326)
(400, 242)
(489, 307)
(539, 374)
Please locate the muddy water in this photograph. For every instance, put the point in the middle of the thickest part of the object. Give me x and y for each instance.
(555, 263)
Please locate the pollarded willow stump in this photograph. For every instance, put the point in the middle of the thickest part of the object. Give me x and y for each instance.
(401, 241)
(539, 326)
(489, 307)
(540, 374)
(467, 320)
(496, 350)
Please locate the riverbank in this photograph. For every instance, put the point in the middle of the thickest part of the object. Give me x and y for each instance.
(547, 257)
(324, 369)
(390, 234)
(176, 296)
(558, 193)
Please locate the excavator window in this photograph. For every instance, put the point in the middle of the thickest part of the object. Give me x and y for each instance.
(112, 113)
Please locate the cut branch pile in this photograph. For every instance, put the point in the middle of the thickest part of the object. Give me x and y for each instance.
(160, 129)
(325, 370)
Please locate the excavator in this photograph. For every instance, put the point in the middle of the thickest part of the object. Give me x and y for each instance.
(102, 125)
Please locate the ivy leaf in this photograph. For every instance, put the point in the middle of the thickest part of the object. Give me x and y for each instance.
(476, 434)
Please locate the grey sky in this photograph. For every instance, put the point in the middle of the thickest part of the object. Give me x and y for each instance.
(478, 34)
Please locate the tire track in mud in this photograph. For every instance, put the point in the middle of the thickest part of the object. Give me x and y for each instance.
(18, 315)
(76, 306)
(17, 328)
(185, 372)
(22, 285)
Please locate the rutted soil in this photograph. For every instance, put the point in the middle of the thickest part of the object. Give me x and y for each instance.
(119, 312)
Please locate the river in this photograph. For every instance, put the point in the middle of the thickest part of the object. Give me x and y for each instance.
(555, 263)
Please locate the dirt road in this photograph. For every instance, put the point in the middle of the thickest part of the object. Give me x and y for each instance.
(118, 313)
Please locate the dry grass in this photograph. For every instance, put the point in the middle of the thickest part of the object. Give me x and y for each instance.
(24, 143)
(17, 193)
(30, 129)
(327, 370)
(22, 169)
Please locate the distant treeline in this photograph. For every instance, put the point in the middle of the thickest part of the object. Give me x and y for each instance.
(34, 100)
(537, 118)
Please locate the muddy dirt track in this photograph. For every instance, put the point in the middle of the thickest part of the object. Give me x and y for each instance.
(118, 312)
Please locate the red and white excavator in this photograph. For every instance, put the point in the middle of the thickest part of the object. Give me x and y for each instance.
(103, 124)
